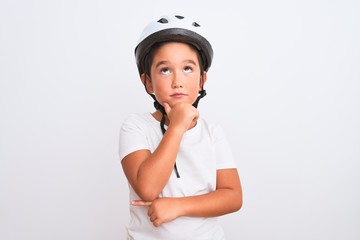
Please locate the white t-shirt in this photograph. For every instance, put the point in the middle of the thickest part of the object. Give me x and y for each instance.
(203, 150)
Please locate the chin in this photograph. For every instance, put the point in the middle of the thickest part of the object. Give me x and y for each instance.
(173, 103)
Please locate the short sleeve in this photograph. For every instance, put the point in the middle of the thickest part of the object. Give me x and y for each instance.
(132, 137)
(224, 155)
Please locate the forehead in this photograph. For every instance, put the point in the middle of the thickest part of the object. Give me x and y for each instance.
(175, 50)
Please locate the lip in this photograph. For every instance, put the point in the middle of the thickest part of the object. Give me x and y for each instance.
(178, 95)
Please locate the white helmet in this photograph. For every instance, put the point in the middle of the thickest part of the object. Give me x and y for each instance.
(172, 28)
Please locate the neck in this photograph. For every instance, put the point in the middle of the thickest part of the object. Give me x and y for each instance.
(158, 115)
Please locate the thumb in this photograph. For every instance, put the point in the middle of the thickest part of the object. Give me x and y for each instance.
(167, 108)
(140, 203)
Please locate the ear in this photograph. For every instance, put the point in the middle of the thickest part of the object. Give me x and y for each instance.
(203, 80)
(146, 80)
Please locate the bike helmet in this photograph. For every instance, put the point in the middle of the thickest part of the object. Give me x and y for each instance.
(173, 28)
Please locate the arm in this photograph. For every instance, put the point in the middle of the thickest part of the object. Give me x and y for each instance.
(141, 166)
(148, 173)
(227, 198)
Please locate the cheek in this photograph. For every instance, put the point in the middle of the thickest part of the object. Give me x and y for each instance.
(198, 85)
(156, 86)
(159, 88)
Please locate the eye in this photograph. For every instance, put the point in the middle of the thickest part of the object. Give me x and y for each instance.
(188, 69)
(165, 71)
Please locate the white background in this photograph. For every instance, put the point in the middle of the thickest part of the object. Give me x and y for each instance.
(285, 85)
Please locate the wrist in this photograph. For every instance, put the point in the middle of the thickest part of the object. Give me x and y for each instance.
(181, 206)
(178, 130)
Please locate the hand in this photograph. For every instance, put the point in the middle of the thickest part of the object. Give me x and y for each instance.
(182, 115)
(161, 210)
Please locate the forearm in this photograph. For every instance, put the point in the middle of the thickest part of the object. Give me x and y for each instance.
(148, 172)
(154, 172)
(213, 204)
(227, 198)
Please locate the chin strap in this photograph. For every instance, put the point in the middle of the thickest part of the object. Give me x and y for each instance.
(159, 107)
(202, 94)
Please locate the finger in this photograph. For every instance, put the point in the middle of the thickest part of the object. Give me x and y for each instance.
(152, 218)
(149, 212)
(157, 223)
(197, 114)
(167, 107)
(196, 117)
(140, 203)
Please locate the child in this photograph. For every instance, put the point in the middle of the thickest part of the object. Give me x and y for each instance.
(181, 174)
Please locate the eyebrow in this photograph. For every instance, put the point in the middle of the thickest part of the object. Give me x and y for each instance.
(165, 62)
(190, 61)
(160, 63)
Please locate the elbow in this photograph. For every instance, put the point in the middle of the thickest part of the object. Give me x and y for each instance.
(238, 201)
(147, 198)
(239, 205)
(146, 190)
(147, 194)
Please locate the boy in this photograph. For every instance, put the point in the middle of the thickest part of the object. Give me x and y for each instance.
(182, 174)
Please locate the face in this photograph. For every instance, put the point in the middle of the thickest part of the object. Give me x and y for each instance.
(175, 74)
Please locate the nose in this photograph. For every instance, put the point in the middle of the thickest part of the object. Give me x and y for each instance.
(176, 82)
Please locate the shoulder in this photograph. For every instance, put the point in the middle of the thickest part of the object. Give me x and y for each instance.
(136, 121)
(211, 127)
(136, 116)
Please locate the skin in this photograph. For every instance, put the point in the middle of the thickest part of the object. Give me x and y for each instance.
(175, 80)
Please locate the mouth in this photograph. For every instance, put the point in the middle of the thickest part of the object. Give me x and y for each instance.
(178, 95)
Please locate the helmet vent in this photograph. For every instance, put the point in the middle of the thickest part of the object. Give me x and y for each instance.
(163, 20)
(195, 24)
(179, 17)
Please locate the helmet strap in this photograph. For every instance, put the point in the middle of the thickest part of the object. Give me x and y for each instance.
(202, 94)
